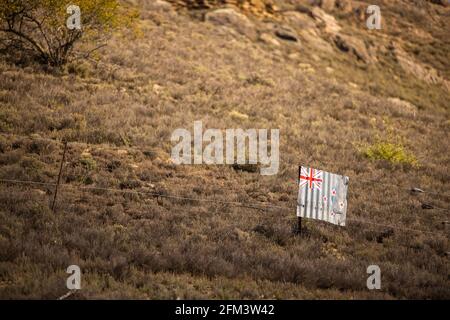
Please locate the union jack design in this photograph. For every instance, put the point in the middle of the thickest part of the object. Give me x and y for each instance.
(311, 177)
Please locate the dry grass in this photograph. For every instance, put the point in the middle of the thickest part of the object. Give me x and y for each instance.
(118, 116)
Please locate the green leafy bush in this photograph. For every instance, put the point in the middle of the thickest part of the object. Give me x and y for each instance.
(392, 152)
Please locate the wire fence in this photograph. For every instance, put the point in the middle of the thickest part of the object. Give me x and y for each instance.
(257, 206)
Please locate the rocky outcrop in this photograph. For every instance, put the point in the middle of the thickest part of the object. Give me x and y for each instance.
(344, 6)
(286, 33)
(328, 22)
(231, 18)
(354, 46)
(420, 71)
(314, 40)
(261, 8)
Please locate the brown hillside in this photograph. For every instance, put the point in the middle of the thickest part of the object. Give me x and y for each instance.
(369, 104)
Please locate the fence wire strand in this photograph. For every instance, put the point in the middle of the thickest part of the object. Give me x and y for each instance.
(257, 206)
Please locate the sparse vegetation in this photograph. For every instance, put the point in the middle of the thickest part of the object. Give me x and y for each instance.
(37, 28)
(118, 115)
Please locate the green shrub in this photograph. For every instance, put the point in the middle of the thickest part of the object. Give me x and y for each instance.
(392, 152)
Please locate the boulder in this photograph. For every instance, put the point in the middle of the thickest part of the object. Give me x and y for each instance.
(313, 39)
(286, 33)
(328, 22)
(354, 46)
(230, 18)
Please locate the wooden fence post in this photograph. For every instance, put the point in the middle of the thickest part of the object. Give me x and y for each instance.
(299, 225)
(299, 219)
(59, 176)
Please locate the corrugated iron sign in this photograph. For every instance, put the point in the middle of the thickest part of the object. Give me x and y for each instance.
(322, 195)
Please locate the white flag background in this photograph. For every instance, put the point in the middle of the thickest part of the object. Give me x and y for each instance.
(322, 195)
